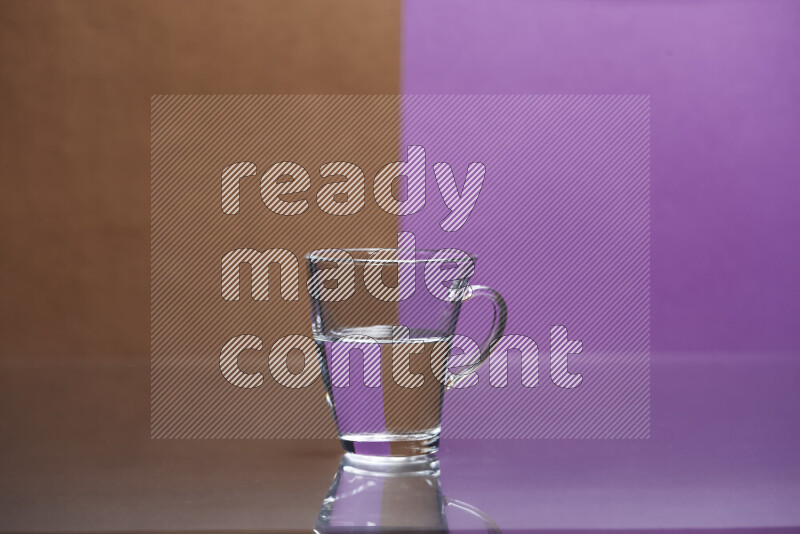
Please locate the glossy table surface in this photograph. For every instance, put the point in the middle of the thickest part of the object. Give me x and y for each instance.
(723, 456)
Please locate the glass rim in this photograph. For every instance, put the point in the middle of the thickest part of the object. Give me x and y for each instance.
(322, 255)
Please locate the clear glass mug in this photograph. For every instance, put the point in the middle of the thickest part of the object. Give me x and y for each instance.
(383, 321)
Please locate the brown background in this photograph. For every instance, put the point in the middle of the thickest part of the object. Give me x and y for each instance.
(77, 78)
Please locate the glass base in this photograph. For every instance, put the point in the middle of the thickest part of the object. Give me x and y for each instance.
(390, 466)
(407, 446)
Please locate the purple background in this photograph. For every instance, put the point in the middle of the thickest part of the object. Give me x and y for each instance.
(723, 79)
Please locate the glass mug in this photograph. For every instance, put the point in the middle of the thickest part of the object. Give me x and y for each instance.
(383, 321)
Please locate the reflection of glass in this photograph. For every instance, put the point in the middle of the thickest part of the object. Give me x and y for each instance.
(389, 494)
(384, 321)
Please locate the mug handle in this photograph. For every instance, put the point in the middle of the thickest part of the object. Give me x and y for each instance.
(496, 332)
(491, 526)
